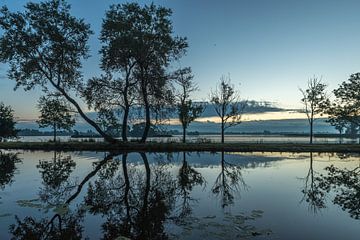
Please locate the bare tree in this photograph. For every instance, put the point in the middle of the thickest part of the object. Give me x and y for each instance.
(315, 101)
(227, 104)
(187, 110)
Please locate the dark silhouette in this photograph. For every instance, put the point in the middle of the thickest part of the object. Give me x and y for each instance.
(138, 45)
(227, 105)
(7, 122)
(188, 178)
(135, 202)
(313, 194)
(55, 113)
(8, 162)
(228, 182)
(187, 110)
(345, 183)
(65, 224)
(347, 102)
(315, 101)
(45, 46)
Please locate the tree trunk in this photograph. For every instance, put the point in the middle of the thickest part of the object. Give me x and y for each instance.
(184, 134)
(222, 131)
(311, 130)
(54, 132)
(340, 140)
(147, 119)
(124, 124)
(106, 137)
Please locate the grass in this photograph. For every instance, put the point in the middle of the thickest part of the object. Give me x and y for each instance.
(179, 147)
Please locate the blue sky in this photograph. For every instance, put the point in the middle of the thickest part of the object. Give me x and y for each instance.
(269, 48)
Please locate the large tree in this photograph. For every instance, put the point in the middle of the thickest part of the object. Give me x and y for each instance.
(187, 110)
(55, 113)
(227, 105)
(139, 41)
(7, 122)
(315, 101)
(348, 100)
(337, 118)
(44, 46)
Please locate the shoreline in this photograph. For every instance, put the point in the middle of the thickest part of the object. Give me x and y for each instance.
(180, 147)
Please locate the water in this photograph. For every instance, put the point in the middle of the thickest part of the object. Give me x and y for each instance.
(179, 196)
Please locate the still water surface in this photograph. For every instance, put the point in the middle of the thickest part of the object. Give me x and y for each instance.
(48, 195)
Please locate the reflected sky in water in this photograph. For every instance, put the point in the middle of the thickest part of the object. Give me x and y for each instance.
(179, 195)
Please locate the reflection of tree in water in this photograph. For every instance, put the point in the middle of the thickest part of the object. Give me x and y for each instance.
(65, 224)
(56, 171)
(8, 163)
(55, 174)
(135, 203)
(59, 227)
(346, 185)
(228, 182)
(188, 178)
(313, 195)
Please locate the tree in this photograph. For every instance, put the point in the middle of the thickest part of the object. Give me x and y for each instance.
(7, 122)
(45, 46)
(227, 105)
(348, 99)
(336, 118)
(315, 101)
(187, 110)
(140, 39)
(55, 113)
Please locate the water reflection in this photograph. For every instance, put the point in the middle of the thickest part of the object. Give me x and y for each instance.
(345, 184)
(342, 185)
(136, 200)
(188, 178)
(64, 224)
(314, 196)
(8, 162)
(55, 178)
(228, 182)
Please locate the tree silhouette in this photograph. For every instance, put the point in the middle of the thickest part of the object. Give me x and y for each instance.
(55, 113)
(227, 105)
(315, 101)
(8, 168)
(65, 224)
(188, 178)
(45, 46)
(348, 100)
(187, 110)
(313, 194)
(142, 38)
(135, 202)
(7, 122)
(228, 182)
(345, 183)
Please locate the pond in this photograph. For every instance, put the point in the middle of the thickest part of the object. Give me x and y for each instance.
(79, 195)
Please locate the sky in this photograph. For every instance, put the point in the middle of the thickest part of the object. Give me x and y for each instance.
(269, 48)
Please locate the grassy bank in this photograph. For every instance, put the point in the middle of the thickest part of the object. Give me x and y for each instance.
(176, 147)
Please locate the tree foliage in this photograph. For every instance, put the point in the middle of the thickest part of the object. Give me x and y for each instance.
(139, 41)
(187, 110)
(7, 122)
(55, 113)
(44, 46)
(227, 104)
